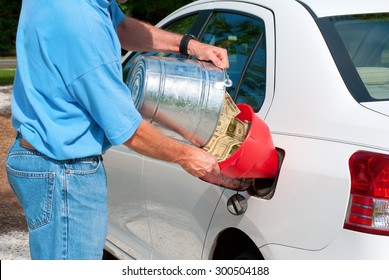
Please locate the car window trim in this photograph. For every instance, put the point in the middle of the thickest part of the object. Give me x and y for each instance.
(246, 65)
(209, 13)
(343, 61)
(200, 22)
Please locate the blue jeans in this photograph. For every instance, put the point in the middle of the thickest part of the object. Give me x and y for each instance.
(64, 201)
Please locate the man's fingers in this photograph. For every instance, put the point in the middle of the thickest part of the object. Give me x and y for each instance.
(219, 59)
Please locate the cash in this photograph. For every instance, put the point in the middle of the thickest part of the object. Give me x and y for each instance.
(222, 125)
(223, 146)
(237, 129)
(229, 133)
(229, 106)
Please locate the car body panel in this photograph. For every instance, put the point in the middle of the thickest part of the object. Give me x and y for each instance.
(319, 8)
(192, 214)
(178, 214)
(371, 247)
(159, 211)
(378, 107)
(308, 208)
(127, 215)
(334, 7)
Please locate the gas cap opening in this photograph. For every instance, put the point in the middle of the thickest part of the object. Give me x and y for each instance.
(266, 187)
(259, 187)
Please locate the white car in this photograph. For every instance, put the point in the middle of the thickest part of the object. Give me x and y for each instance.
(317, 72)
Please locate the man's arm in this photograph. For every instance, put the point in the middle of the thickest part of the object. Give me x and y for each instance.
(139, 36)
(149, 141)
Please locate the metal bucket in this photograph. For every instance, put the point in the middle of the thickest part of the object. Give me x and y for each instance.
(182, 97)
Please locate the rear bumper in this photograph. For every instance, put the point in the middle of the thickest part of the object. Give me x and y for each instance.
(348, 245)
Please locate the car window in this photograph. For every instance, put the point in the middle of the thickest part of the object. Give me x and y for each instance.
(180, 26)
(366, 39)
(244, 38)
(241, 35)
(253, 87)
(183, 25)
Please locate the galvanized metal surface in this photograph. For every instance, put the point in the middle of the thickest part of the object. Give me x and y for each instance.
(183, 97)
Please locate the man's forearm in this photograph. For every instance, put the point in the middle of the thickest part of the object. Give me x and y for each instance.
(151, 142)
(136, 35)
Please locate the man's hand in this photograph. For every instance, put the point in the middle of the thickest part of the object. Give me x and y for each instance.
(201, 51)
(198, 162)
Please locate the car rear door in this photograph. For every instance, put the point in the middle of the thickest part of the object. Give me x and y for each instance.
(179, 206)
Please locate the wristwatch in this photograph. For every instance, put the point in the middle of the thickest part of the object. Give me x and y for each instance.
(184, 43)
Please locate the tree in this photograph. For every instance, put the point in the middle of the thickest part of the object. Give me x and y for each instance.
(151, 11)
(9, 16)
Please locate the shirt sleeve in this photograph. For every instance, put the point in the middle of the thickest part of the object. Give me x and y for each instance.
(103, 95)
(116, 14)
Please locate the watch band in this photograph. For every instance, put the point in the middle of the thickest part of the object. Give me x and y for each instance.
(184, 43)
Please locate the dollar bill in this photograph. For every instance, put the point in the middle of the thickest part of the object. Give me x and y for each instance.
(229, 106)
(237, 129)
(222, 147)
(223, 124)
(211, 143)
(229, 133)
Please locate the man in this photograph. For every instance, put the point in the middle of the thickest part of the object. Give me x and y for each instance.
(70, 105)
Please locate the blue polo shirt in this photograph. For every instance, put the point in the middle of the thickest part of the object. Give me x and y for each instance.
(69, 100)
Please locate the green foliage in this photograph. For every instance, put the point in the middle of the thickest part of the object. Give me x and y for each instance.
(151, 11)
(9, 15)
(373, 17)
(6, 75)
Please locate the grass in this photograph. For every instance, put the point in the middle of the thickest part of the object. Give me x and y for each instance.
(7, 74)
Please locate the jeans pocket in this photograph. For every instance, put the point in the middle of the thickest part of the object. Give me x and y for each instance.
(84, 166)
(35, 193)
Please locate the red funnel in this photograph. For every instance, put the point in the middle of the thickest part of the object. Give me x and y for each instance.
(256, 157)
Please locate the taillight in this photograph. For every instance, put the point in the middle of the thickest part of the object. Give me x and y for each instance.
(368, 209)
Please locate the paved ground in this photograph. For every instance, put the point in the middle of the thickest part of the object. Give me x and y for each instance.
(13, 237)
(11, 214)
(7, 62)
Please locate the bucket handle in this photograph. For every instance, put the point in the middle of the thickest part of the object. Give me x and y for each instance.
(226, 83)
(227, 80)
